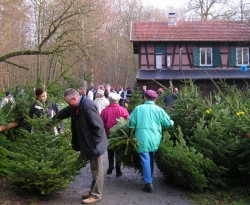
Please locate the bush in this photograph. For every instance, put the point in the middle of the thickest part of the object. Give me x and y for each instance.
(123, 141)
(41, 161)
(3, 155)
(182, 165)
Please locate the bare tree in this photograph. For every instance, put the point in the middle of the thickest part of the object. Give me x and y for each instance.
(52, 34)
(205, 9)
(118, 65)
(238, 10)
(13, 34)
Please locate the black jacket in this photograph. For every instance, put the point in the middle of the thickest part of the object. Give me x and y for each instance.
(169, 99)
(37, 110)
(50, 109)
(88, 133)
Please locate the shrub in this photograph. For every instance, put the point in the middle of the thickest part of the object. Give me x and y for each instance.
(3, 155)
(41, 161)
(182, 165)
(123, 141)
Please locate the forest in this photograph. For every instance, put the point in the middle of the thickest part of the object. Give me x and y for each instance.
(86, 42)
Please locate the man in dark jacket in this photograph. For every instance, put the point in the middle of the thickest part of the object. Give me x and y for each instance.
(171, 98)
(88, 137)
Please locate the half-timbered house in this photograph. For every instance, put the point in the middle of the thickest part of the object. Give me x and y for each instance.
(198, 50)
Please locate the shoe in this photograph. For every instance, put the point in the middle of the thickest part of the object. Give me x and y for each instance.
(110, 169)
(86, 195)
(148, 188)
(91, 200)
(118, 174)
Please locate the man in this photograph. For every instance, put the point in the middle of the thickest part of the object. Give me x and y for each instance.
(88, 137)
(123, 97)
(148, 120)
(81, 91)
(171, 98)
(144, 88)
(101, 87)
(109, 116)
(108, 90)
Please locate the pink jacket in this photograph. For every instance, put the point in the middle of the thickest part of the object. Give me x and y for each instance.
(110, 114)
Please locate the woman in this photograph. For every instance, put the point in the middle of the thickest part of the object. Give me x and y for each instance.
(109, 116)
(147, 120)
(44, 106)
(101, 101)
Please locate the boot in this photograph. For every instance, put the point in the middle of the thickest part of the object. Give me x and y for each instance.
(111, 155)
(148, 188)
(110, 169)
(118, 171)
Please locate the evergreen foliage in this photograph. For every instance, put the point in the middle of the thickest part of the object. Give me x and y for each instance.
(123, 141)
(135, 100)
(41, 161)
(207, 148)
(214, 142)
(56, 91)
(188, 109)
(3, 155)
(242, 164)
(183, 165)
(15, 112)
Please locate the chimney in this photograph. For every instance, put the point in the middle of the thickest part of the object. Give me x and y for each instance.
(171, 19)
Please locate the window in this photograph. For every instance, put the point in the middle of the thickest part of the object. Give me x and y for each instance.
(242, 56)
(239, 56)
(206, 56)
(160, 48)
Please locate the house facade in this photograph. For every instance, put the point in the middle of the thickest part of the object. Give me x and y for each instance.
(197, 50)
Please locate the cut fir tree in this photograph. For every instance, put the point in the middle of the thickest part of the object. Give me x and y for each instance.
(41, 161)
(122, 140)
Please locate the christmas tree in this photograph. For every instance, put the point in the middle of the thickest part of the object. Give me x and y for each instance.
(41, 161)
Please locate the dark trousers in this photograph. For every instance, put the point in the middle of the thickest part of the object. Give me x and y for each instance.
(111, 156)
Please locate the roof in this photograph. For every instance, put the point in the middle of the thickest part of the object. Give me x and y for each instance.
(190, 31)
(191, 74)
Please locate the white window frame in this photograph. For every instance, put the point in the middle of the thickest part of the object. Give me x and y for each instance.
(206, 56)
(240, 59)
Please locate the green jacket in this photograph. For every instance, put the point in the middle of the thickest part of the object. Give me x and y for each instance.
(148, 120)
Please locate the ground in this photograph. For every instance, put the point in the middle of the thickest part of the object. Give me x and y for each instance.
(126, 189)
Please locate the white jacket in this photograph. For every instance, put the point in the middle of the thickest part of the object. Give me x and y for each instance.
(101, 103)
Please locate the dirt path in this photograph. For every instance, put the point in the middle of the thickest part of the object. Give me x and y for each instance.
(126, 189)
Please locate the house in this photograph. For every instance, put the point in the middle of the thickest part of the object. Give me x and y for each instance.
(197, 50)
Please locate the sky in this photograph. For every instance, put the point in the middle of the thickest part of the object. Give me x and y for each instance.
(163, 3)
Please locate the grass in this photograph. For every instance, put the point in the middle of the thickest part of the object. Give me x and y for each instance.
(219, 197)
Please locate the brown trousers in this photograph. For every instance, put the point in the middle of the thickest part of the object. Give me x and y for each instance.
(98, 177)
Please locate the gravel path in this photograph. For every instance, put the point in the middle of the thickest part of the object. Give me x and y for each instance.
(124, 190)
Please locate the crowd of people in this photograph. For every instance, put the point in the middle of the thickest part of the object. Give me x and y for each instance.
(92, 93)
(92, 119)
(93, 114)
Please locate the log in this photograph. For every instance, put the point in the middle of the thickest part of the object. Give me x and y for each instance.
(9, 126)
